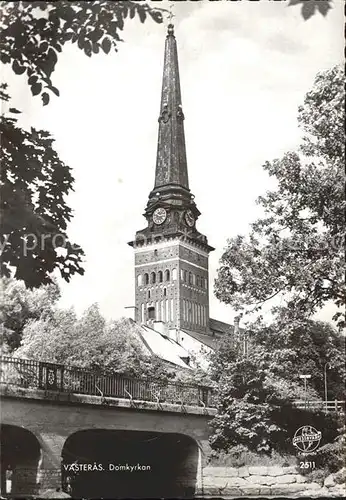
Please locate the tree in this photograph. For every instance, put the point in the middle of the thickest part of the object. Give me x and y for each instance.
(297, 249)
(90, 342)
(20, 305)
(34, 181)
(34, 33)
(254, 404)
(34, 214)
(294, 347)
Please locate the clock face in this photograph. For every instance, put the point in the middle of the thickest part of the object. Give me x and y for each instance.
(159, 216)
(189, 217)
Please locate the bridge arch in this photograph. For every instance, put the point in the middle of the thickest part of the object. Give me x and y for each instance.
(21, 455)
(130, 464)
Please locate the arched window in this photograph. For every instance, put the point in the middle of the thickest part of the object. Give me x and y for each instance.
(167, 275)
(139, 280)
(185, 276)
(174, 274)
(164, 292)
(190, 278)
(160, 277)
(198, 281)
(202, 282)
(152, 278)
(142, 313)
(146, 279)
(151, 312)
(148, 294)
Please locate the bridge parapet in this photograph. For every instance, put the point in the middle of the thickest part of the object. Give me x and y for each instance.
(33, 374)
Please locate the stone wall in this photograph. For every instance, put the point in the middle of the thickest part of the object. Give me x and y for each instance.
(231, 481)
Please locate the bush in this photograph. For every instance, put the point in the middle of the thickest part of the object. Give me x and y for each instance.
(317, 476)
(240, 456)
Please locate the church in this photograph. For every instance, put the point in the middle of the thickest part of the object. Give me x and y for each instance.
(171, 255)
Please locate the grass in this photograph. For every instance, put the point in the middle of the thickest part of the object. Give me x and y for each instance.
(238, 457)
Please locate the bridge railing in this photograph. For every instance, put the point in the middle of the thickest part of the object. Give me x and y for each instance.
(338, 406)
(28, 373)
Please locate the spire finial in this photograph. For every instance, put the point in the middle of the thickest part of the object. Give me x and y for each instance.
(170, 30)
(170, 27)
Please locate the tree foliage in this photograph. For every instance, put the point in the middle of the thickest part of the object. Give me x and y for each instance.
(90, 342)
(33, 211)
(34, 181)
(297, 249)
(293, 347)
(34, 33)
(255, 400)
(20, 305)
(310, 7)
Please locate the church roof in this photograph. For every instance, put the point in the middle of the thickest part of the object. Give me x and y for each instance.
(163, 346)
(220, 327)
(204, 338)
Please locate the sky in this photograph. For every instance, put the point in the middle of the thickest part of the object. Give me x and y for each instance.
(244, 69)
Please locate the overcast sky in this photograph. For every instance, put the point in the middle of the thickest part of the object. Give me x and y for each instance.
(244, 67)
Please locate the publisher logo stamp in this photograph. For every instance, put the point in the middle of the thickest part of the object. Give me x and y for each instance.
(307, 439)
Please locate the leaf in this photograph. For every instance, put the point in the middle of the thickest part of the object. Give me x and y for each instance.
(33, 79)
(43, 46)
(14, 110)
(95, 35)
(112, 29)
(54, 90)
(142, 14)
(67, 13)
(88, 48)
(81, 42)
(324, 7)
(36, 88)
(5, 58)
(68, 36)
(308, 9)
(41, 23)
(156, 15)
(17, 68)
(106, 45)
(96, 48)
(45, 98)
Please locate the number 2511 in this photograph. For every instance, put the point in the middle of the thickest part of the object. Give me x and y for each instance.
(307, 465)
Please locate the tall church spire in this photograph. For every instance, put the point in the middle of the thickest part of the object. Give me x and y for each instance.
(171, 255)
(171, 164)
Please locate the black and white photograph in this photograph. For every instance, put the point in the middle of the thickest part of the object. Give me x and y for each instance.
(172, 245)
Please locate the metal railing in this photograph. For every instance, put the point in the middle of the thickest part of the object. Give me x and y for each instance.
(338, 406)
(28, 373)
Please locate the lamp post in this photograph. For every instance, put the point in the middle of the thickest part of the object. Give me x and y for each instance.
(327, 365)
(305, 377)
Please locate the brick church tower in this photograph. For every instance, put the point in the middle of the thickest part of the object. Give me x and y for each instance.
(171, 256)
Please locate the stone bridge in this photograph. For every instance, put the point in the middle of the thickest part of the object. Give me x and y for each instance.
(99, 436)
(95, 446)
